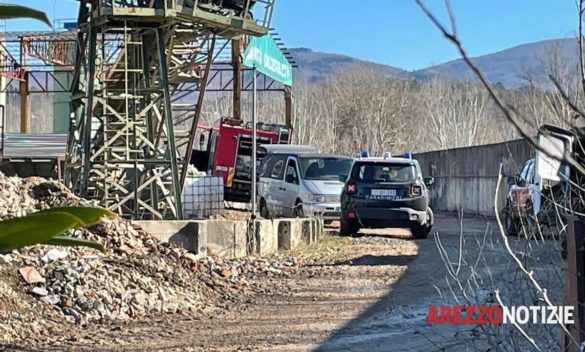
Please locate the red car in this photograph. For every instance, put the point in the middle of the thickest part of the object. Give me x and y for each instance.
(523, 200)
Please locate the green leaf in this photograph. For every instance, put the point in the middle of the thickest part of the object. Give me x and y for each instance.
(33, 229)
(67, 241)
(86, 215)
(44, 226)
(9, 11)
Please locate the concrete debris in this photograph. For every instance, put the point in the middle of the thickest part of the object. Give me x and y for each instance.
(31, 275)
(54, 254)
(138, 276)
(40, 291)
(5, 259)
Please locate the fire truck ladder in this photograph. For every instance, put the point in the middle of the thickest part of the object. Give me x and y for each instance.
(132, 56)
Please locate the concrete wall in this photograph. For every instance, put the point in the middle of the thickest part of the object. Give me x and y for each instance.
(466, 178)
(236, 239)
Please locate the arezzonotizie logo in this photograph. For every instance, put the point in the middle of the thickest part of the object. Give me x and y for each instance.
(496, 315)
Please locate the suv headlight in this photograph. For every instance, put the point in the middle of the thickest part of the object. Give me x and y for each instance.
(317, 198)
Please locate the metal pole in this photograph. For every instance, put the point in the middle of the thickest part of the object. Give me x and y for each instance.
(575, 283)
(254, 132)
(237, 76)
(24, 107)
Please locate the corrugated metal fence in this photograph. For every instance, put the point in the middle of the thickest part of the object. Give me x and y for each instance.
(466, 178)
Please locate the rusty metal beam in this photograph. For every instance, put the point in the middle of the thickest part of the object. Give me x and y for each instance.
(24, 107)
(237, 77)
(288, 106)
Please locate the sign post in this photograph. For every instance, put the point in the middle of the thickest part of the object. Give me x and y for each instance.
(254, 146)
(264, 56)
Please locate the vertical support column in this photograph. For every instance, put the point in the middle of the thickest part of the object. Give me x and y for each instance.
(87, 122)
(168, 118)
(24, 109)
(288, 106)
(151, 120)
(3, 102)
(237, 79)
(575, 284)
(198, 107)
(254, 145)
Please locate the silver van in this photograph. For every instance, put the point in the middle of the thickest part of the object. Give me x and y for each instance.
(300, 181)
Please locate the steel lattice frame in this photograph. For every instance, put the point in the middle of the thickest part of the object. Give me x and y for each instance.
(122, 147)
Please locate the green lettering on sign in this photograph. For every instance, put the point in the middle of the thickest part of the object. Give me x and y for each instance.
(264, 55)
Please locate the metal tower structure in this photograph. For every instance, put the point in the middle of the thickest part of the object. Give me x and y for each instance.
(132, 57)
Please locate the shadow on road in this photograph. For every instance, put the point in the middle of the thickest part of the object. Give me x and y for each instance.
(396, 321)
(377, 260)
(389, 235)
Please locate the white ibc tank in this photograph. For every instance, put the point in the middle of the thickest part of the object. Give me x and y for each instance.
(202, 197)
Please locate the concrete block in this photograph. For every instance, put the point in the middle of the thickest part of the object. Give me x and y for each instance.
(266, 237)
(231, 239)
(227, 238)
(285, 238)
(307, 231)
(191, 235)
(296, 231)
(318, 228)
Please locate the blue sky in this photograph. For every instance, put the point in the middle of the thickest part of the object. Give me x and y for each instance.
(394, 32)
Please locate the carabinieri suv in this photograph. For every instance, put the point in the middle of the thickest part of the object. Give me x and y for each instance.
(386, 192)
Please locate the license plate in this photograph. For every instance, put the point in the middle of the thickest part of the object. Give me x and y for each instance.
(383, 192)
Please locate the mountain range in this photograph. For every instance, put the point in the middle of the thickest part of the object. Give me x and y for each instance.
(513, 67)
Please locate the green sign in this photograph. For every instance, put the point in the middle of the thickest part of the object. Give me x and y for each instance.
(264, 55)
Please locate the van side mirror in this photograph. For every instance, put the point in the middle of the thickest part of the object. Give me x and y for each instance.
(429, 181)
(511, 180)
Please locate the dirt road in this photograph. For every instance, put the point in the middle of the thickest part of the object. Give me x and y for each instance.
(369, 293)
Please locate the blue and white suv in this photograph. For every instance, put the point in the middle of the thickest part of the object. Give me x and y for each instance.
(386, 192)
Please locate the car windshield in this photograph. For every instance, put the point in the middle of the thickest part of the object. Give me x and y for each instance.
(378, 172)
(325, 168)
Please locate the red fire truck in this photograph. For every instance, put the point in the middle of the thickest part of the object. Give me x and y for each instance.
(225, 150)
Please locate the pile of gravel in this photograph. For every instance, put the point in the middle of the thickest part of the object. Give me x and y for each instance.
(42, 286)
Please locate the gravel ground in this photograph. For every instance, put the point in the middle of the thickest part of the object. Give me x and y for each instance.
(369, 293)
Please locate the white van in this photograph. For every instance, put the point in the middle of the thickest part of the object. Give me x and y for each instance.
(299, 181)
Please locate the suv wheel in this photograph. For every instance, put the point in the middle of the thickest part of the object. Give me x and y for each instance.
(347, 229)
(422, 231)
(264, 209)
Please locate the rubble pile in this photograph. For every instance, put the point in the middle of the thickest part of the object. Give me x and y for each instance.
(19, 197)
(138, 276)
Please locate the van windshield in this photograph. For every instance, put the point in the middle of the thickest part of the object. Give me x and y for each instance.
(382, 172)
(315, 168)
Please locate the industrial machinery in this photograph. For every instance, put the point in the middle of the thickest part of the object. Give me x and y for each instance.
(228, 153)
(126, 148)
